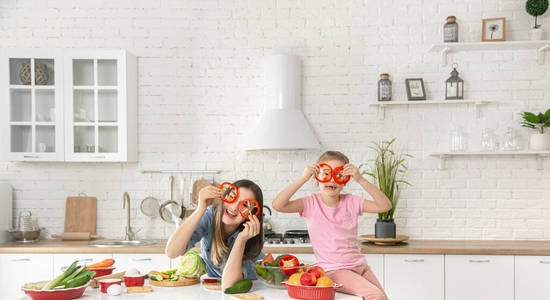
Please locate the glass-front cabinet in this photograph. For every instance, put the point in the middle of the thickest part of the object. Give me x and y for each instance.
(33, 106)
(80, 105)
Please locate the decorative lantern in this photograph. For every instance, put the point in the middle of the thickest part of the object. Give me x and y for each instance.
(384, 87)
(454, 88)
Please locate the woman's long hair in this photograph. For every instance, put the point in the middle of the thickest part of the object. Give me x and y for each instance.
(219, 244)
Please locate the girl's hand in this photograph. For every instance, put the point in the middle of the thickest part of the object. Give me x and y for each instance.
(353, 171)
(251, 229)
(310, 170)
(207, 194)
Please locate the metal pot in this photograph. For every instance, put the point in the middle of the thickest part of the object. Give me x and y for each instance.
(268, 226)
(25, 236)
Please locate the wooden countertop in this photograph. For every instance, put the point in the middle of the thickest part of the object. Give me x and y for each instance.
(541, 248)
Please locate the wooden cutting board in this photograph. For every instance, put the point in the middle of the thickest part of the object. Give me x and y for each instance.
(80, 214)
(174, 283)
(215, 286)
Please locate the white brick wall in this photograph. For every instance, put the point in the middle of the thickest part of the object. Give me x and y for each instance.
(200, 89)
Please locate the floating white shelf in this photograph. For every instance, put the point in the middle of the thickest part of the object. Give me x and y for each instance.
(383, 104)
(445, 48)
(444, 155)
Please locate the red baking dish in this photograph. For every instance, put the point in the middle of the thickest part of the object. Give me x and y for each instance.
(65, 294)
(134, 280)
(311, 292)
(103, 271)
(105, 283)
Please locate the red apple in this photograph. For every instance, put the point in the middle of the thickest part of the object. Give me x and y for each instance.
(317, 271)
(308, 279)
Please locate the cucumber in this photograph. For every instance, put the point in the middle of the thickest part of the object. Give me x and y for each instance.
(262, 272)
(156, 277)
(242, 286)
(170, 272)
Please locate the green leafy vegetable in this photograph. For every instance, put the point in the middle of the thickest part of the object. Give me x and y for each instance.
(191, 265)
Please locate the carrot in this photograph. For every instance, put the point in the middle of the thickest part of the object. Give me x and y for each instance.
(164, 276)
(102, 264)
(269, 259)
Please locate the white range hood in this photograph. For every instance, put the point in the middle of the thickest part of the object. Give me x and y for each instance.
(282, 125)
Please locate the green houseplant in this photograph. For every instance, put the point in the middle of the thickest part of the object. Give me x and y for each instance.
(541, 139)
(536, 8)
(388, 171)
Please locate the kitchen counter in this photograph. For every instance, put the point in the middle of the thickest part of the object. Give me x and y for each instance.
(194, 292)
(466, 247)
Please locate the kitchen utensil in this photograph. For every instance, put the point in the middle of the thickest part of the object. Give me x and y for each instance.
(26, 222)
(216, 285)
(268, 226)
(26, 236)
(168, 283)
(199, 185)
(170, 212)
(312, 292)
(398, 240)
(6, 212)
(76, 236)
(99, 272)
(134, 280)
(64, 294)
(94, 283)
(104, 284)
(80, 214)
(150, 206)
(139, 289)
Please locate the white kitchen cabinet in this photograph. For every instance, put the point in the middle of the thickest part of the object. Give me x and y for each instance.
(65, 260)
(414, 277)
(376, 263)
(18, 269)
(33, 105)
(302, 257)
(479, 277)
(531, 277)
(143, 262)
(101, 106)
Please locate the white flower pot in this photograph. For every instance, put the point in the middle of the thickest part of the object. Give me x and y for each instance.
(536, 34)
(539, 142)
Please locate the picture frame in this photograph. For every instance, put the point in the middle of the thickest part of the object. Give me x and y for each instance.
(415, 89)
(494, 30)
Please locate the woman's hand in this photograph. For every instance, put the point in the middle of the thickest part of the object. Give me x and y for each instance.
(310, 170)
(207, 194)
(251, 229)
(353, 171)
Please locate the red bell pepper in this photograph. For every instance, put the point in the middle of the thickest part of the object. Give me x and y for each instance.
(325, 173)
(288, 261)
(229, 192)
(249, 207)
(338, 175)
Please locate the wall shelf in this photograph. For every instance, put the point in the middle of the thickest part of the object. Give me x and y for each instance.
(383, 104)
(181, 171)
(443, 156)
(445, 48)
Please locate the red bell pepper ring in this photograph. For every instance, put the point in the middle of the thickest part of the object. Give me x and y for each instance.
(249, 207)
(338, 174)
(325, 173)
(229, 192)
(288, 261)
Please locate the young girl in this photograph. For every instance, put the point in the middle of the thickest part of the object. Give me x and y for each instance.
(332, 224)
(228, 240)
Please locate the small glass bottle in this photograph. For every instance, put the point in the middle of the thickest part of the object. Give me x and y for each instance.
(384, 87)
(459, 141)
(450, 30)
(510, 142)
(489, 141)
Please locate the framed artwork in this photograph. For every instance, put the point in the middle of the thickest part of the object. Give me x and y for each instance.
(494, 30)
(415, 89)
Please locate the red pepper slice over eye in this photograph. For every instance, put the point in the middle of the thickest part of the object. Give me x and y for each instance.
(249, 207)
(288, 261)
(325, 173)
(229, 192)
(338, 174)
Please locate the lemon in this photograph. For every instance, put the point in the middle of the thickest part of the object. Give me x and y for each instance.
(324, 281)
(294, 279)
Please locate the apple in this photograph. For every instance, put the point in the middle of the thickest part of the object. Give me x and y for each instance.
(317, 271)
(308, 279)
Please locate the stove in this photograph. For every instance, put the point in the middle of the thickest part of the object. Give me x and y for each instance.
(291, 238)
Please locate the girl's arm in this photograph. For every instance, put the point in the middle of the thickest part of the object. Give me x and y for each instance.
(282, 202)
(177, 243)
(233, 271)
(381, 202)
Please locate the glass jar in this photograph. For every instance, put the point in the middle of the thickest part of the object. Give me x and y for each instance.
(459, 142)
(489, 141)
(509, 140)
(384, 87)
(450, 30)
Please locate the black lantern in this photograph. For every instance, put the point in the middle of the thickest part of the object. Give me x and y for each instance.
(454, 88)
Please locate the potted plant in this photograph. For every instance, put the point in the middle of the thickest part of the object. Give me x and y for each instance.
(539, 140)
(536, 8)
(388, 170)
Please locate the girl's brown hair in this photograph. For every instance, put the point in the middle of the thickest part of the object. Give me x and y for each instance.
(253, 245)
(328, 155)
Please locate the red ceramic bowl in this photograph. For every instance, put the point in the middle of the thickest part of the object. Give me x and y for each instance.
(311, 292)
(134, 280)
(103, 271)
(105, 283)
(56, 294)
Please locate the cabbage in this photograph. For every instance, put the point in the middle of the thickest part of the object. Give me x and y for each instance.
(191, 265)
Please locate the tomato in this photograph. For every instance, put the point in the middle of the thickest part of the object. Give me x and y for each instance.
(249, 207)
(229, 192)
(338, 175)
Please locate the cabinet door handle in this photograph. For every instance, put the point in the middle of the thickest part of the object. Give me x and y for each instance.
(21, 259)
(142, 259)
(544, 262)
(99, 156)
(31, 156)
(414, 260)
(86, 259)
(480, 260)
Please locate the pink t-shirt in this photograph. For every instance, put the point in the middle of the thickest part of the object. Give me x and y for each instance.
(333, 231)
